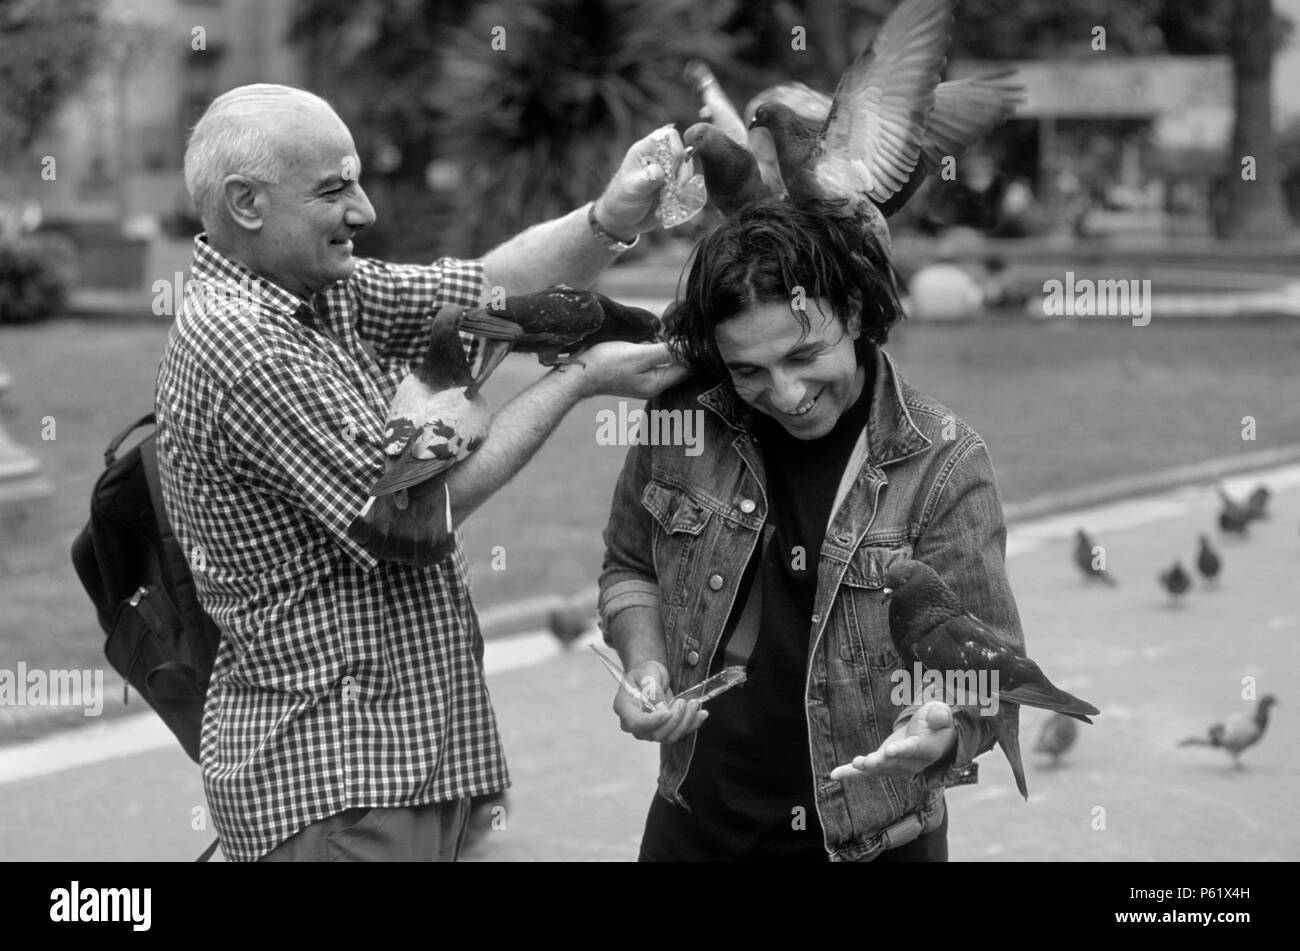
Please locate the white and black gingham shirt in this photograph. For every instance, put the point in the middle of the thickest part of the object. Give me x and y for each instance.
(341, 681)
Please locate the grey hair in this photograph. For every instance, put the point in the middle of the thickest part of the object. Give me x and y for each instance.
(230, 139)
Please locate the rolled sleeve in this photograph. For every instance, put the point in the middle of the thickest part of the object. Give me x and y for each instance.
(293, 433)
(628, 577)
(964, 539)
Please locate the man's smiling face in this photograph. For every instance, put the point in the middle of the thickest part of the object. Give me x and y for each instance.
(805, 380)
(311, 214)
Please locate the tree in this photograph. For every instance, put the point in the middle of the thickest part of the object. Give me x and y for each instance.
(48, 49)
(1252, 200)
(540, 99)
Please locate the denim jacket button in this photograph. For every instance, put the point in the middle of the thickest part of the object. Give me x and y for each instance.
(715, 582)
(816, 618)
(693, 658)
(747, 506)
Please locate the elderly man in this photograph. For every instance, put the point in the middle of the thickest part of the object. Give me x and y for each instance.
(347, 716)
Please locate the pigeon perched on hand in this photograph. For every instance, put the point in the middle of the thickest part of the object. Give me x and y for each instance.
(1238, 733)
(929, 626)
(561, 319)
(437, 419)
(1208, 562)
(891, 122)
(1086, 558)
(1057, 737)
(1234, 518)
(1176, 581)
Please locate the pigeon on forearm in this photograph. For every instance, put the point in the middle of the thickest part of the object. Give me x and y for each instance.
(560, 320)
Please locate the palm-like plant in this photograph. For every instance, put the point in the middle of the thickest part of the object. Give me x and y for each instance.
(540, 126)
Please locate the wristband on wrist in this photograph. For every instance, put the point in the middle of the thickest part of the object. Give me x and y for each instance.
(607, 240)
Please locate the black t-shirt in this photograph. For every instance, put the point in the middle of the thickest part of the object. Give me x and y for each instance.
(750, 783)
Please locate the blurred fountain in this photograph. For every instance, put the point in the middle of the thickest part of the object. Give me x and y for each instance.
(26, 522)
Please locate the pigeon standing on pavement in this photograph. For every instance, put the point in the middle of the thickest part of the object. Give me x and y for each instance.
(571, 620)
(1208, 562)
(436, 420)
(1086, 559)
(1257, 503)
(1176, 581)
(1234, 518)
(929, 626)
(1238, 733)
(1058, 736)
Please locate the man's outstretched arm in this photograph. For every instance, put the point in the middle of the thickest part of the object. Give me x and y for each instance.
(565, 250)
(519, 428)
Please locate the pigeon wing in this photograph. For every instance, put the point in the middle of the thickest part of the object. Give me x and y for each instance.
(873, 135)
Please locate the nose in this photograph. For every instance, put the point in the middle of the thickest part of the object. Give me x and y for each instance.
(360, 213)
(786, 392)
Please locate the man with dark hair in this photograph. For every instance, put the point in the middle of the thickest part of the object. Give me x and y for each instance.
(821, 467)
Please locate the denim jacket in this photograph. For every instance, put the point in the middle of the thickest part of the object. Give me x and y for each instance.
(920, 484)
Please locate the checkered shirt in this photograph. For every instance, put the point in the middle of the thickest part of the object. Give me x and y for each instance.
(341, 681)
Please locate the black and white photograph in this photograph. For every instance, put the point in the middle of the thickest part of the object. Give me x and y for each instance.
(585, 431)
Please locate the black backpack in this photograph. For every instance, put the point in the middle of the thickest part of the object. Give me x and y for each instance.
(135, 572)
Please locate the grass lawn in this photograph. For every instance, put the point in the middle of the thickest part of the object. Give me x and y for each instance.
(1061, 404)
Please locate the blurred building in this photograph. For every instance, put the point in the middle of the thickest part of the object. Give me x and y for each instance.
(119, 144)
(1112, 143)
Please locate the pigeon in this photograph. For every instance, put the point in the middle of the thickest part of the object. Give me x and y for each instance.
(1234, 518)
(890, 123)
(570, 620)
(1257, 503)
(1176, 581)
(721, 116)
(731, 175)
(929, 626)
(1086, 559)
(437, 419)
(560, 319)
(1208, 562)
(1238, 733)
(1058, 735)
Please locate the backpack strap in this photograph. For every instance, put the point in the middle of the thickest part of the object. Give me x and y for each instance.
(110, 454)
(207, 853)
(149, 462)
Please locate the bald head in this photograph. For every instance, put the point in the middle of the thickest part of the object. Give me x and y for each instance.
(258, 131)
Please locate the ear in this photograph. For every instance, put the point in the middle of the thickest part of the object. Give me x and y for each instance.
(855, 324)
(242, 196)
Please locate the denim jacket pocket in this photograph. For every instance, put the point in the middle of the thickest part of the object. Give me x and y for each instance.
(867, 642)
(680, 519)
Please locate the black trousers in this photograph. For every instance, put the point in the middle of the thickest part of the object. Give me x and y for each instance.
(656, 847)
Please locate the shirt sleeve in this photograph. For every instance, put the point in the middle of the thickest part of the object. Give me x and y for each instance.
(627, 577)
(965, 541)
(395, 302)
(297, 434)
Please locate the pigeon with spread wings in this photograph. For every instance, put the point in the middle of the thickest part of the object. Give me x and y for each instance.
(890, 123)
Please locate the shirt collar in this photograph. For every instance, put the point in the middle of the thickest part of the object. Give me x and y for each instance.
(891, 433)
(209, 264)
